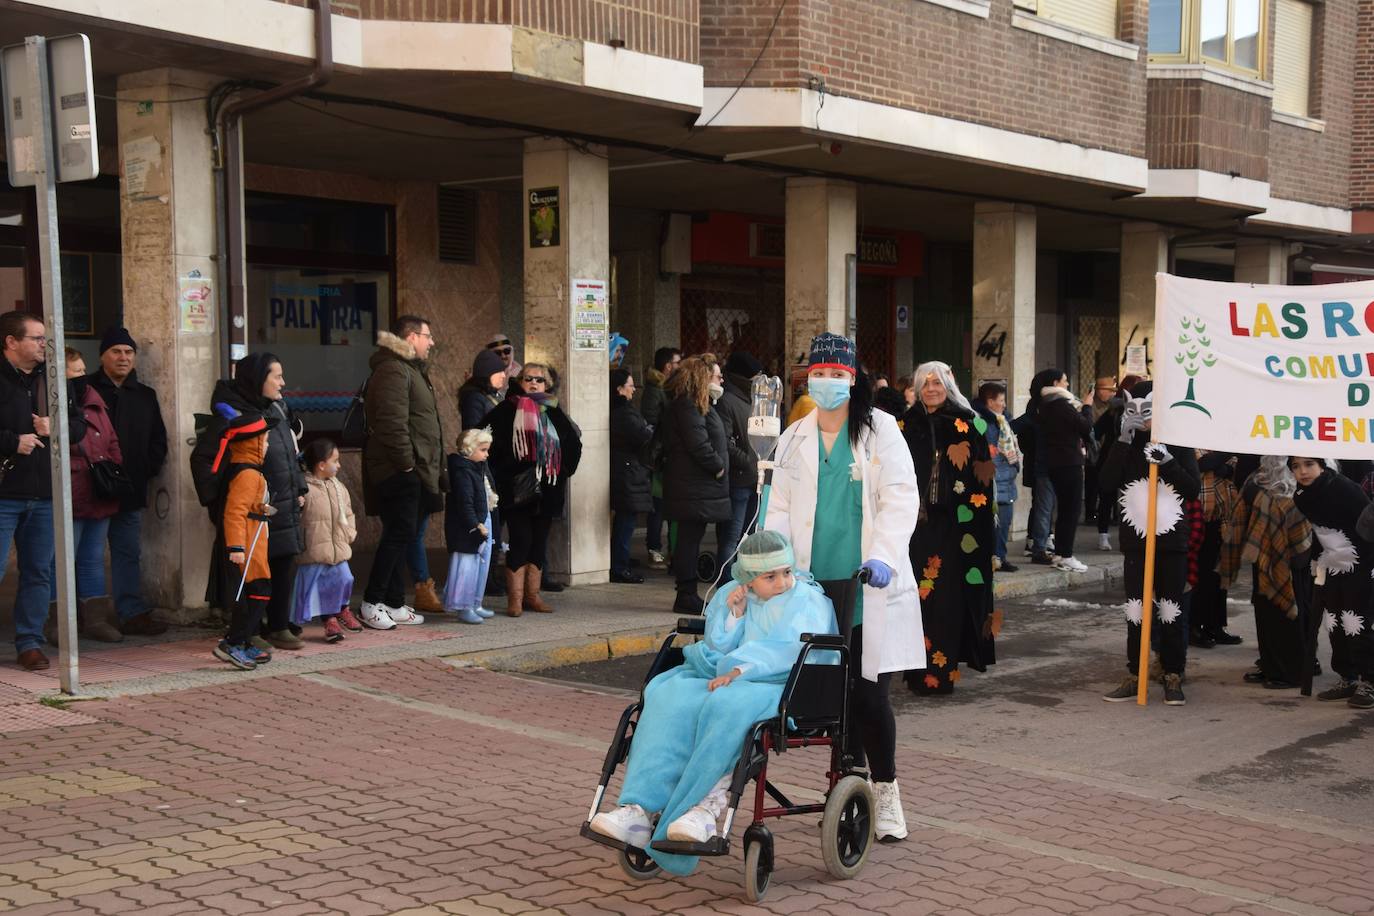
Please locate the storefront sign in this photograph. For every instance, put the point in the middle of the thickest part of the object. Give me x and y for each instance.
(545, 218)
(769, 240)
(196, 302)
(1270, 370)
(589, 315)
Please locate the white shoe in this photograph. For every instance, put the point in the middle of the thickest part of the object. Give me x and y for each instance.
(629, 824)
(375, 616)
(1069, 564)
(404, 615)
(890, 821)
(996, 564)
(1104, 542)
(656, 560)
(696, 826)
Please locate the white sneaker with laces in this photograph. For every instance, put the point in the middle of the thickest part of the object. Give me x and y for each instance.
(698, 824)
(656, 560)
(1104, 542)
(890, 821)
(404, 615)
(1069, 564)
(630, 824)
(375, 616)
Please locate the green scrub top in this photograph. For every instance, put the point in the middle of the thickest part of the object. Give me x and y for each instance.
(837, 542)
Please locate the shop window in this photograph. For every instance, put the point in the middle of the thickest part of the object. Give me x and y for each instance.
(1097, 17)
(317, 296)
(1228, 33)
(1293, 57)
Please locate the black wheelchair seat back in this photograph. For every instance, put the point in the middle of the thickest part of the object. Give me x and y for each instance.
(818, 698)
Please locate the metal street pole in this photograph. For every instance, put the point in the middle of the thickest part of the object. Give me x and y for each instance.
(50, 271)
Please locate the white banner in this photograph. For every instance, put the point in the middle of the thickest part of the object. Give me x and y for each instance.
(1265, 370)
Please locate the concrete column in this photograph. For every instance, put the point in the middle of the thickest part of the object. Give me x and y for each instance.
(1261, 261)
(582, 252)
(1004, 299)
(167, 227)
(1144, 253)
(822, 232)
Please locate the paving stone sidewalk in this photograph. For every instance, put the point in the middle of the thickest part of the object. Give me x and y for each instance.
(415, 787)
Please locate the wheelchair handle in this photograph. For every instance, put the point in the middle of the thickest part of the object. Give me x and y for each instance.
(691, 626)
(863, 575)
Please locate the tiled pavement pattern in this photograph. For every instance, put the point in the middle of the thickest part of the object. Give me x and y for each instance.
(418, 788)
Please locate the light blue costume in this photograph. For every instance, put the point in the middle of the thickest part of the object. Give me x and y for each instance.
(689, 737)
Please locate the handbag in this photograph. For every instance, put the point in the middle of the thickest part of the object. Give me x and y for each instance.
(109, 481)
(526, 488)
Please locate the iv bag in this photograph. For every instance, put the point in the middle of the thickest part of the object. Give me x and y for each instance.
(765, 424)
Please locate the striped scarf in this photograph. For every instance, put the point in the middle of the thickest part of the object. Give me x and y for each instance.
(534, 437)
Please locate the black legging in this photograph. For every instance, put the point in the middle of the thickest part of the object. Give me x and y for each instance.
(279, 605)
(529, 538)
(1068, 501)
(689, 537)
(872, 726)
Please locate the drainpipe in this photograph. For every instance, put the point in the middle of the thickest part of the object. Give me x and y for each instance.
(232, 247)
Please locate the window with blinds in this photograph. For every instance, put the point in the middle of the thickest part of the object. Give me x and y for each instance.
(1293, 57)
(1097, 17)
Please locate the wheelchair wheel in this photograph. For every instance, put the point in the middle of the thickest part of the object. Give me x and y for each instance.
(758, 863)
(636, 864)
(706, 567)
(847, 827)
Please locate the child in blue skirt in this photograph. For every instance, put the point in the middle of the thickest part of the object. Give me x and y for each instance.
(467, 526)
(324, 581)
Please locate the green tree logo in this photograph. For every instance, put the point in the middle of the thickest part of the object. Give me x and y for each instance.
(1194, 355)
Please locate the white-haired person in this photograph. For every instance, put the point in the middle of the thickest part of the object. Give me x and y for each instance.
(845, 494)
(467, 526)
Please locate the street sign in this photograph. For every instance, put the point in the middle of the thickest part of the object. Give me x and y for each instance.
(71, 103)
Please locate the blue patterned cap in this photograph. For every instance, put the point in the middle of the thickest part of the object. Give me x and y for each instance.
(833, 351)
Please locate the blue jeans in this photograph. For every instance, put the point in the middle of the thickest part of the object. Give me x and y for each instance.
(417, 558)
(1042, 511)
(743, 504)
(28, 523)
(88, 539)
(1004, 513)
(126, 544)
(622, 530)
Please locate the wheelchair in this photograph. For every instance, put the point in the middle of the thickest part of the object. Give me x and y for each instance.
(813, 712)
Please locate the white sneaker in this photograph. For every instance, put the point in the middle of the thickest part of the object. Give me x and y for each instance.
(890, 821)
(1069, 564)
(1104, 542)
(656, 560)
(996, 564)
(698, 824)
(629, 824)
(404, 615)
(374, 616)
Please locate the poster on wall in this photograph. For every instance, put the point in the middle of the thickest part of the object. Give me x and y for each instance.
(545, 218)
(196, 303)
(589, 315)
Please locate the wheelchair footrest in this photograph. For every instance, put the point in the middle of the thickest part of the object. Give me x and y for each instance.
(715, 846)
(601, 838)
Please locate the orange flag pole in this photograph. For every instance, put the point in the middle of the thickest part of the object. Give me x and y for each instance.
(1147, 598)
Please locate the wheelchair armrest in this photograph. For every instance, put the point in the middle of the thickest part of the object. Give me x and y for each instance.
(823, 640)
(691, 626)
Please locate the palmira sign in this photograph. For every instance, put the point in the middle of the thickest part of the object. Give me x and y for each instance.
(1276, 370)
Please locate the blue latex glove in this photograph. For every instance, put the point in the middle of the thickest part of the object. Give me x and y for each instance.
(879, 573)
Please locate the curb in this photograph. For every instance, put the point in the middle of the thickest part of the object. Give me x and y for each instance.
(541, 655)
(1017, 585)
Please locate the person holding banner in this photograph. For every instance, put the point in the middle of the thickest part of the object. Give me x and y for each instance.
(1126, 471)
(1342, 561)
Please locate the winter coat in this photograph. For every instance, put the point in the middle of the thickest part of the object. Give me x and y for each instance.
(1063, 430)
(653, 399)
(282, 466)
(403, 427)
(504, 464)
(1005, 472)
(734, 407)
(22, 395)
(137, 418)
(1124, 476)
(476, 397)
(631, 486)
(329, 523)
(696, 485)
(893, 639)
(99, 443)
(241, 524)
(467, 505)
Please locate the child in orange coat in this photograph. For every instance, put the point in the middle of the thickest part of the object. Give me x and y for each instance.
(247, 506)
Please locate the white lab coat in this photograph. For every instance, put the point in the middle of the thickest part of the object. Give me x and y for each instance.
(893, 637)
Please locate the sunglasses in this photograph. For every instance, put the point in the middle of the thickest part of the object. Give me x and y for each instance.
(535, 378)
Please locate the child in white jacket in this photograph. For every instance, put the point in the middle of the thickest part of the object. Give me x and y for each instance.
(324, 581)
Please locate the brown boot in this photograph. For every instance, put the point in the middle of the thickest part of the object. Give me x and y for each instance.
(533, 576)
(427, 599)
(515, 591)
(94, 620)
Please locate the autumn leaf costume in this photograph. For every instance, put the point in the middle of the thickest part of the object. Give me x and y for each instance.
(955, 535)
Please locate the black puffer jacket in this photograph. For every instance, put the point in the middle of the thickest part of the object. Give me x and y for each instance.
(734, 408)
(22, 395)
(1064, 429)
(696, 485)
(476, 397)
(137, 418)
(631, 487)
(467, 505)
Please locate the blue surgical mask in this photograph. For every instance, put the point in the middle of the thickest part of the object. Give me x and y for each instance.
(828, 393)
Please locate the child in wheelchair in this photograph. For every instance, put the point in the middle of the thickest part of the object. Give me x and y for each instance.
(689, 734)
